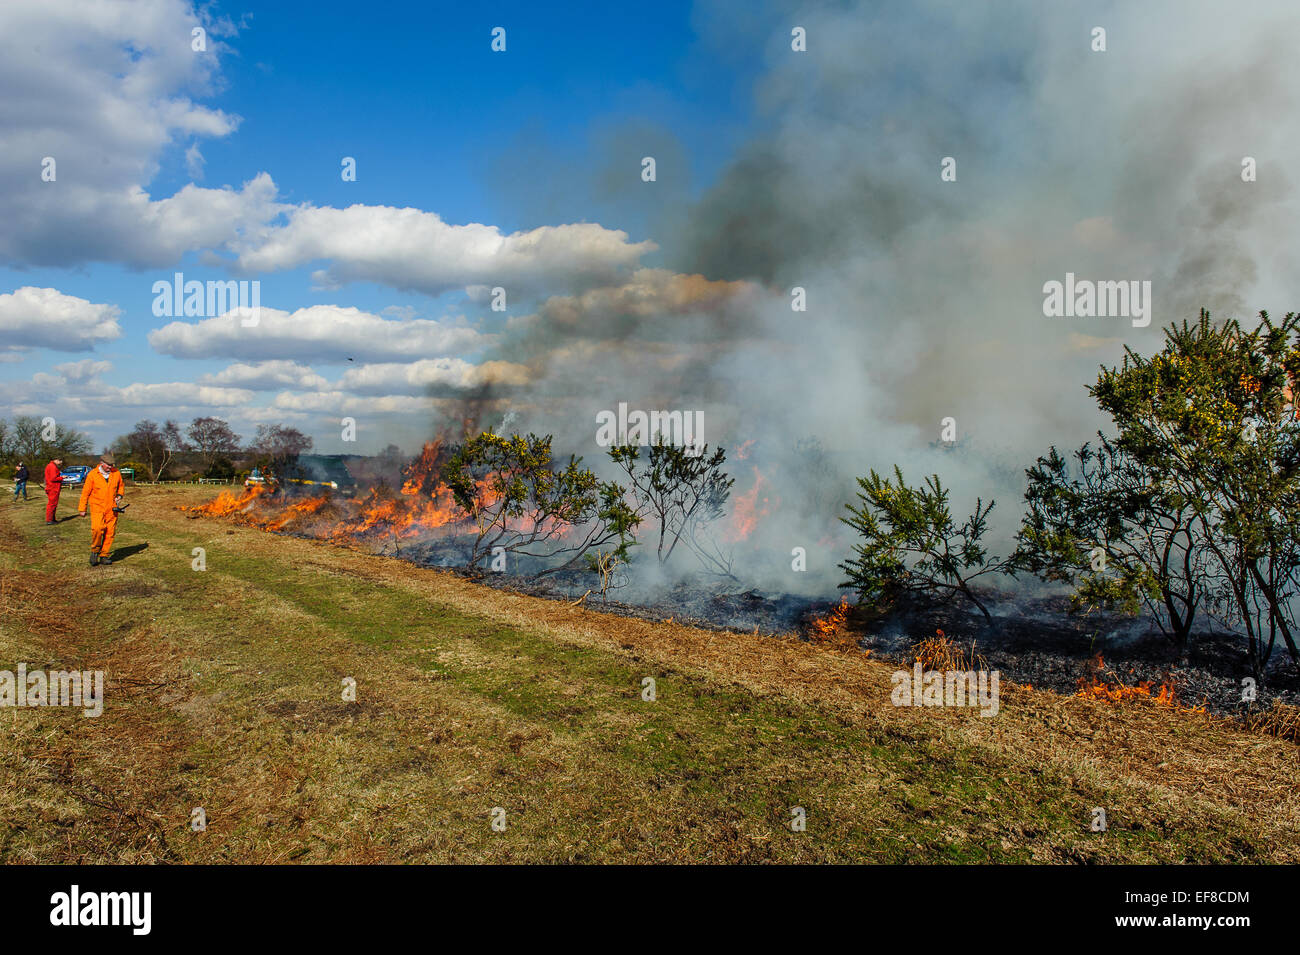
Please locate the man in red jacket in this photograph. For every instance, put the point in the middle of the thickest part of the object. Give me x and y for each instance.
(53, 485)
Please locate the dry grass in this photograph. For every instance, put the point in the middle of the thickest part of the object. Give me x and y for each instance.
(1281, 720)
(942, 653)
(473, 698)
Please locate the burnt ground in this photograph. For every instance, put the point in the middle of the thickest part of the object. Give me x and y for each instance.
(1039, 642)
(1031, 640)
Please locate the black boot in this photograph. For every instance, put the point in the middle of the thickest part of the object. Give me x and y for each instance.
(106, 559)
(94, 559)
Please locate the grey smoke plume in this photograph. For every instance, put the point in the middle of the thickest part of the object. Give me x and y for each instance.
(925, 297)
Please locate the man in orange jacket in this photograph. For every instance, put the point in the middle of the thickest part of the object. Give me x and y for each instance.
(102, 492)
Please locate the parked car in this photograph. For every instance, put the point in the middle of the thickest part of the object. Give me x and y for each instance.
(75, 475)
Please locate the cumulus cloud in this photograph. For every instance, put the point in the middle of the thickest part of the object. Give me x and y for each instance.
(80, 372)
(267, 375)
(410, 249)
(77, 394)
(331, 402)
(99, 94)
(180, 394)
(327, 333)
(105, 88)
(46, 318)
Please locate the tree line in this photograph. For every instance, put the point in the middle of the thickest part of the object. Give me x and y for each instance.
(206, 446)
(35, 440)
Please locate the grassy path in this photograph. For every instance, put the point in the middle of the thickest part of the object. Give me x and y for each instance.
(224, 691)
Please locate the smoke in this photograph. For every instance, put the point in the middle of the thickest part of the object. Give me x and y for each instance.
(925, 297)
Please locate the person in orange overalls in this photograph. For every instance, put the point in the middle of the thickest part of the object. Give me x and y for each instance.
(101, 493)
(53, 485)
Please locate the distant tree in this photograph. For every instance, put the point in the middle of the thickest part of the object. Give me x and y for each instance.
(155, 445)
(29, 441)
(145, 443)
(121, 447)
(212, 437)
(26, 441)
(221, 467)
(174, 443)
(279, 446)
(67, 443)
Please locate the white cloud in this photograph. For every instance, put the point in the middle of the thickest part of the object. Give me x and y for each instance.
(105, 88)
(328, 333)
(194, 161)
(267, 375)
(180, 394)
(331, 402)
(109, 90)
(414, 250)
(86, 370)
(46, 318)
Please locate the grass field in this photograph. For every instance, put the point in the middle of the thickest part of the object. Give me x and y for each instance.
(224, 692)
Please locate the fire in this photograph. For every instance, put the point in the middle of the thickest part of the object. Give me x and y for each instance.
(832, 623)
(1094, 685)
(299, 509)
(228, 502)
(422, 476)
(831, 629)
(941, 652)
(423, 505)
(749, 508)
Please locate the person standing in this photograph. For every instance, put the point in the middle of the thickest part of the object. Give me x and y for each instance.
(53, 485)
(100, 495)
(20, 482)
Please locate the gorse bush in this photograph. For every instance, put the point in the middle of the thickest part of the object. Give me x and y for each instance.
(523, 504)
(912, 545)
(1189, 510)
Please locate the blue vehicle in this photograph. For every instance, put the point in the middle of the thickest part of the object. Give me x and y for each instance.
(75, 475)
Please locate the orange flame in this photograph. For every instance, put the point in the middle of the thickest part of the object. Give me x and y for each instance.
(749, 509)
(424, 504)
(228, 502)
(1094, 686)
(831, 629)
